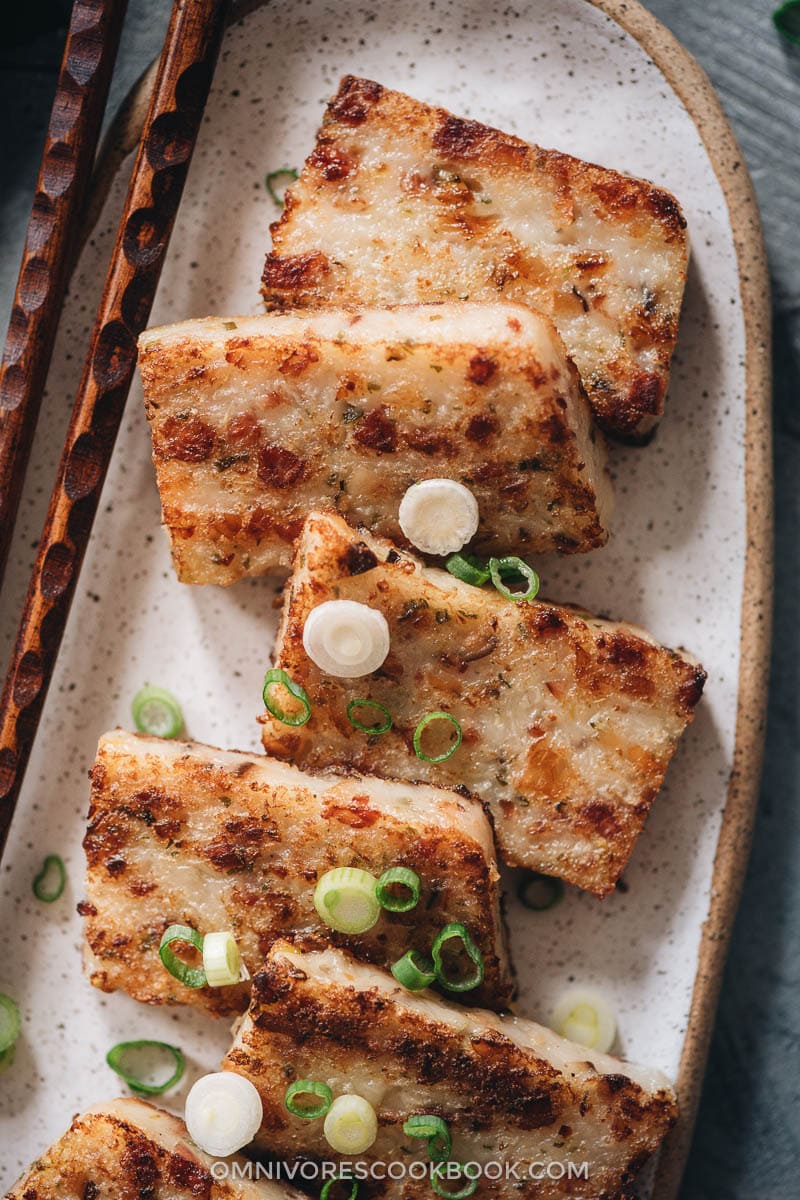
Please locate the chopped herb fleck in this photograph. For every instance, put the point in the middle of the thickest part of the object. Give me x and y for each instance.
(411, 608)
(222, 464)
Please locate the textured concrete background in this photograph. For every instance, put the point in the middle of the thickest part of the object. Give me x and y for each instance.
(747, 1144)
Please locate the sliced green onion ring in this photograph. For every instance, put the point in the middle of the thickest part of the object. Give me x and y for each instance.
(326, 1187)
(51, 880)
(193, 977)
(346, 900)
(469, 1187)
(424, 723)
(277, 675)
(437, 1133)
(10, 1023)
(468, 569)
(373, 730)
(308, 1087)
(287, 173)
(413, 971)
(540, 892)
(498, 567)
(403, 877)
(454, 930)
(157, 712)
(7, 1058)
(786, 20)
(116, 1060)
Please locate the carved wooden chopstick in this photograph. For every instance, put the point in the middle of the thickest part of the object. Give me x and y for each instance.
(165, 151)
(65, 170)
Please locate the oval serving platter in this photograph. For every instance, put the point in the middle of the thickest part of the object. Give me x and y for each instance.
(689, 557)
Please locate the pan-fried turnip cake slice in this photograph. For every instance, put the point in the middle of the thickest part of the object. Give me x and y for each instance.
(257, 420)
(403, 202)
(509, 1091)
(180, 833)
(568, 721)
(129, 1150)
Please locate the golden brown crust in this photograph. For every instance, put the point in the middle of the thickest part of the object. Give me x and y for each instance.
(605, 256)
(569, 722)
(179, 833)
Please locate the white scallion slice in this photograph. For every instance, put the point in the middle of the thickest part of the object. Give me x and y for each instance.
(223, 1113)
(439, 516)
(346, 899)
(221, 959)
(345, 638)
(584, 1016)
(351, 1125)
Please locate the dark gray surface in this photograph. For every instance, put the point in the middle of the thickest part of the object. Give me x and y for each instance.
(747, 1144)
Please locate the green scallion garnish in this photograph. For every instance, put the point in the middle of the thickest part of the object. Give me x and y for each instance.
(455, 931)
(305, 1088)
(399, 877)
(469, 1188)
(468, 569)
(278, 676)
(51, 880)
(193, 977)
(435, 1130)
(10, 1023)
(418, 732)
(413, 972)
(288, 174)
(326, 1187)
(346, 900)
(539, 892)
(500, 568)
(382, 727)
(118, 1058)
(157, 712)
(786, 20)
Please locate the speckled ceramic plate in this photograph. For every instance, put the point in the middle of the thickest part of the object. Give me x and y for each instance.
(689, 558)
